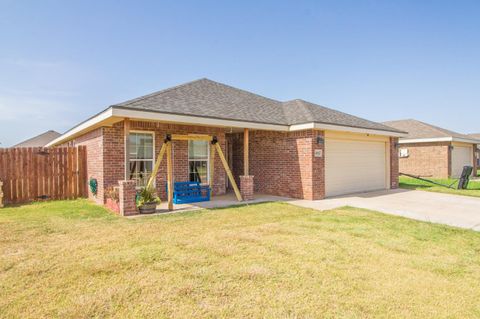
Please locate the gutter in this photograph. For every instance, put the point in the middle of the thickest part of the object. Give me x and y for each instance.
(117, 113)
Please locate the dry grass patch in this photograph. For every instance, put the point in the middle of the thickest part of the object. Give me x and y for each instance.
(75, 260)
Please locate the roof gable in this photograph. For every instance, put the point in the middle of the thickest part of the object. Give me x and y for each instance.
(211, 99)
(207, 98)
(420, 130)
(39, 140)
(206, 102)
(299, 111)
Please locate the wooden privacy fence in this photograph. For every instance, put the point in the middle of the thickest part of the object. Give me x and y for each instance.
(30, 174)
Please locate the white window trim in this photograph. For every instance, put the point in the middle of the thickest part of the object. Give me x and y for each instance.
(127, 154)
(197, 160)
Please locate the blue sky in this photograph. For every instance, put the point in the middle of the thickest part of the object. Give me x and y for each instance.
(63, 61)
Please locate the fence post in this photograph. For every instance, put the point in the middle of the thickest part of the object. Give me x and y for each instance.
(1, 194)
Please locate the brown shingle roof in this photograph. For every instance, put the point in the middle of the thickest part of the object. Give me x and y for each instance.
(299, 111)
(418, 129)
(207, 98)
(39, 140)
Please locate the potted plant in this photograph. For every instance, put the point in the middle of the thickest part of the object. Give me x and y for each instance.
(147, 200)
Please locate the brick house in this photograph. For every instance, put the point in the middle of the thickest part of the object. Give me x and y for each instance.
(296, 149)
(431, 151)
(40, 140)
(477, 137)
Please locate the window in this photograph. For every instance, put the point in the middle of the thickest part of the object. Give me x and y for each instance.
(198, 161)
(140, 152)
(403, 152)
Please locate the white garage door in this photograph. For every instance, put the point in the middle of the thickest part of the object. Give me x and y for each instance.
(461, 156)
(354, 166)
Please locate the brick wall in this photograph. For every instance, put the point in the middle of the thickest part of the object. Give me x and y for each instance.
(475, 160)
(247, 187)
(94, 142)
(126, 198)
(114, 153)
(426, 159)
(106, 155)
(283, 163)
(394, 163)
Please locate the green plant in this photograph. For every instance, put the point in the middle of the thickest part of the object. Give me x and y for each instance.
(147, 195)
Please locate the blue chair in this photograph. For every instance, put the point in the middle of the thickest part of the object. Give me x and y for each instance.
(190, 192)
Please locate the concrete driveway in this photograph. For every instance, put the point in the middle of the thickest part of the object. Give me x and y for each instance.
(453, 210)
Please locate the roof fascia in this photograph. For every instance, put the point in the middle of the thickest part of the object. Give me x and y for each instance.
(439, 139)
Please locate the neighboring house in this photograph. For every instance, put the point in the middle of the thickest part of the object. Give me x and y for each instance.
(477, 136)
(39, 140)
(431, 151)
(296, 148)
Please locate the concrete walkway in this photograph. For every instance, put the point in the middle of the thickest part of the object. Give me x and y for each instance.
(220, 201)
(453, 210)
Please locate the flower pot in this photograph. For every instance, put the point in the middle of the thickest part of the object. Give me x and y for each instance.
(148, 208)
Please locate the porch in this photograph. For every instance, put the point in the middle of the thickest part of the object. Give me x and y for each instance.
(219, 201)
(184, 155)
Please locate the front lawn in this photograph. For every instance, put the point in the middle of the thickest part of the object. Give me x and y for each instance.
(75, 260)
(412, 183)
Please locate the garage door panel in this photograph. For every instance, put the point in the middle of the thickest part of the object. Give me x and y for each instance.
(354, 166)
(461, 156)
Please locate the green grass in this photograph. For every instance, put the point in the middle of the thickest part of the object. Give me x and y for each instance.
(75, 260)
(412, 183)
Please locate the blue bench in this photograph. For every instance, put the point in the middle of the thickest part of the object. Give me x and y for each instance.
(190, 192)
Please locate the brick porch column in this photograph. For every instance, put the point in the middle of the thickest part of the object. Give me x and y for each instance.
(246, 187)
(394, 163)
(126, 198)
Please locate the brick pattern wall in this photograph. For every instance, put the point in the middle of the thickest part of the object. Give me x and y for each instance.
(94, 142)
(475, 160)
(427, 159)
(126, 198)
(283, 163)
(113, 156)
(106, 155)
(114, 153)
(247, 187)
(394, 163)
